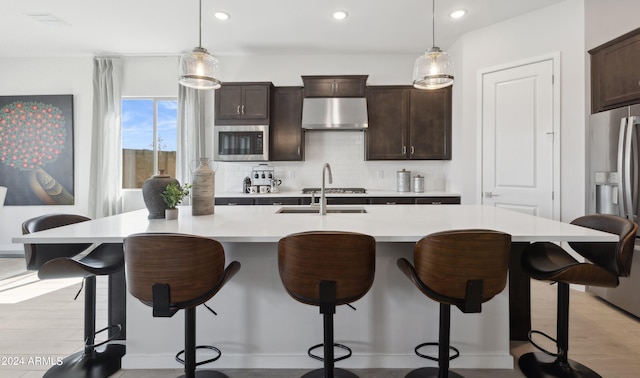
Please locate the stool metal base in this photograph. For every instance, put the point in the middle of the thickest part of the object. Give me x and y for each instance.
(430, 372)
(98, 364)
(206, 374)
(337, 373)
(540, 365)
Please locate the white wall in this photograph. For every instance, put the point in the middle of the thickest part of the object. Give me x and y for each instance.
(558, 28)
(50, 77)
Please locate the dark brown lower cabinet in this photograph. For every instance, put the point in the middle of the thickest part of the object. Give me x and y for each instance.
(282, 201)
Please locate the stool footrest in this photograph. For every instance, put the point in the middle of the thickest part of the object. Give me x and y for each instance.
(113, 326)
(219, 353)
(341, 346)
(456, 355)
(531, 332)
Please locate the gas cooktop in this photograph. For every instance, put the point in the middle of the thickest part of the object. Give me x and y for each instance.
(335, 190)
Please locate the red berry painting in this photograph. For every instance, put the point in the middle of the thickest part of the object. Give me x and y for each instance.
(36, 149)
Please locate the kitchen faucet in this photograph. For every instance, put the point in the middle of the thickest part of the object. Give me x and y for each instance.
(323, 198)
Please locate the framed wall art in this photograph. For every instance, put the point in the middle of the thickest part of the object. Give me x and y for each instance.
(36, 149)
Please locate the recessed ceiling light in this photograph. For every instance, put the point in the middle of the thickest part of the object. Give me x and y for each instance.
(340, 15)
(457, 14)
(222, 16)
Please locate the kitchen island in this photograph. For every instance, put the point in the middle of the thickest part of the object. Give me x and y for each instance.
(260, 326)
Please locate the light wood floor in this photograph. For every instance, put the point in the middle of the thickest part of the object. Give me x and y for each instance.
(36, 330)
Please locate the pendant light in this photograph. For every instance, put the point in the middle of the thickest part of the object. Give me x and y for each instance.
(199, 69)
(434, 69)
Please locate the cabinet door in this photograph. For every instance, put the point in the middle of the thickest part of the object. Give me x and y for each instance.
(318, 88)
(286, 138)
(234, 201)
(349, 87)
(335, 86)
(255, 102)
(615, 73)
(347, 200)
(387, 134)
(277, 201)
(393, 200)
(438, 200)
(228, 102)
(430, 124)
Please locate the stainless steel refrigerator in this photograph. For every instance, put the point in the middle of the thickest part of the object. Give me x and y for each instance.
(614, 187)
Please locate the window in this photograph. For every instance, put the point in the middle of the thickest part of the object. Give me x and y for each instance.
(149, 131)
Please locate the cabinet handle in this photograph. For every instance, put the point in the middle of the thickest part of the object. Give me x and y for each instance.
(242, 109)
(238, 110)
(298, 150)
(391, 203)
(232, 203)
(404, 150)
(412, 150)
(337, 88)
(277, 203)
(436, 203)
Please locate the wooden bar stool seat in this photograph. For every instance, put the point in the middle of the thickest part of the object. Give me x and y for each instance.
(464, 268)
(172, 272)
(327, 269)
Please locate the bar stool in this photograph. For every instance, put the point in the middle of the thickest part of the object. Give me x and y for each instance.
(327, 269)
(464, 268)
(606, 262)
(61, 261)
(172, 272)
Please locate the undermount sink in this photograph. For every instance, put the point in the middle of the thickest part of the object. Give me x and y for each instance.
(316, 210)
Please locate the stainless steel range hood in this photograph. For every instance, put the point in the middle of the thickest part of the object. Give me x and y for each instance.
(335, 113)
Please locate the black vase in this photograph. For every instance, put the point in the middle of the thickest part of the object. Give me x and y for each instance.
(151, 190)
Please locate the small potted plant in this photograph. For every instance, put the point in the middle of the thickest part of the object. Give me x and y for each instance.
(172, 196)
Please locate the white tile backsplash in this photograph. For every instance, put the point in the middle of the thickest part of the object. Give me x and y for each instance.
(344, 151)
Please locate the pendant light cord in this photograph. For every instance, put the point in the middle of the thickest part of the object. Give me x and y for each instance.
(433, 23)
(200, 25)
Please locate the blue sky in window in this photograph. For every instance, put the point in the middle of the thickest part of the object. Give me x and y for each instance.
(137, 124)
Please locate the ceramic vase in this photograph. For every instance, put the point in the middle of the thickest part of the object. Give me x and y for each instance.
(151, 190)
(203, 189)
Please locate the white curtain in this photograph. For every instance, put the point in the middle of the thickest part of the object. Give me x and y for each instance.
(191, 139)
(105, 183)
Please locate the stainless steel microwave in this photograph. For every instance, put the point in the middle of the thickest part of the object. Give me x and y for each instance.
(241, 143)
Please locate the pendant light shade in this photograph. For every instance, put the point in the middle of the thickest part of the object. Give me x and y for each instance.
(199, 69)
(434, 69)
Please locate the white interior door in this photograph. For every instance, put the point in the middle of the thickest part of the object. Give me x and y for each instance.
(517, 138)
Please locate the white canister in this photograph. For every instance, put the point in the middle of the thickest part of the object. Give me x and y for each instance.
(404, 181)
(418, 184)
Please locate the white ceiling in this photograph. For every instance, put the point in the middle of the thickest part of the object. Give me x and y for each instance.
(170, 27)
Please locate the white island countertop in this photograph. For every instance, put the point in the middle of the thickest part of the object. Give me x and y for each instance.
(396, 223)
(260, 326)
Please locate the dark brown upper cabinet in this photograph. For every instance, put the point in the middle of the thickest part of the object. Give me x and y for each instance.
(243, 104)
(615, 73)
(388, 110)
(286, 137)
(430, 124)
(335, 86)
(408, 123)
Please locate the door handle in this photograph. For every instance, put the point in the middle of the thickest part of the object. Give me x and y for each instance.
(490, 194)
